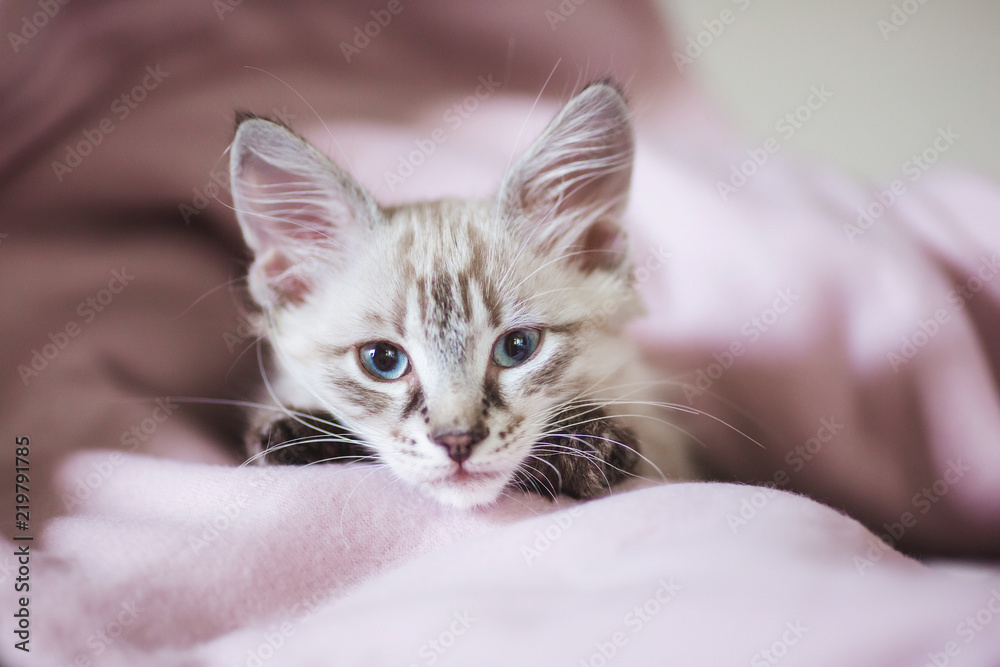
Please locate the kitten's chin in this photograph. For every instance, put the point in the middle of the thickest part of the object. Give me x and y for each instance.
(467, 491)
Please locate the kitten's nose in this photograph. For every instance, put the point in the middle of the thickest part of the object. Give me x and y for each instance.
(459, 444)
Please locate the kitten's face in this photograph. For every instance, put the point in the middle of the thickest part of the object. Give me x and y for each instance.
(459, 340)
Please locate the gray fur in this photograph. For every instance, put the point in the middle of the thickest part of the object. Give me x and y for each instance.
(444, 281)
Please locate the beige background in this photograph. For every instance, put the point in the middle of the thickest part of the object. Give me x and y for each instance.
(941, 68)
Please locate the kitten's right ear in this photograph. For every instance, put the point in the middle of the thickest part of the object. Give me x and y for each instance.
(297, 209)
(568, 191)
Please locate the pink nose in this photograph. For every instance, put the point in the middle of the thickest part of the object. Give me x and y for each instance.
(459, 444)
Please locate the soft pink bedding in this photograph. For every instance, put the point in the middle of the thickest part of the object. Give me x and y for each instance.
(861, 356)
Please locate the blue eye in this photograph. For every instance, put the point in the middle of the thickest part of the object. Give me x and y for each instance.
(515, 347)
(384, 361)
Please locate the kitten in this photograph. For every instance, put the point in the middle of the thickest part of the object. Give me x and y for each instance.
(466, 345)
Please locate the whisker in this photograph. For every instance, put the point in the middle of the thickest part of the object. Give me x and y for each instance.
(351, 495)
(532, 455)
(521, 503)
(322, 121)
(351, 458)
(597, 458)
(206, 295)
(522, 471)
(689, 410)
(298, 442)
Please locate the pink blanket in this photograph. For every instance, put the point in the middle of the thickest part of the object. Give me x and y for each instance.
(835, 342)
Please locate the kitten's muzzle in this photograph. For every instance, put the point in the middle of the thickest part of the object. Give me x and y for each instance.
(459, 444)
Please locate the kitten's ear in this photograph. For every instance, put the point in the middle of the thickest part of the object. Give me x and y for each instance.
(296, 208)
(571, 187)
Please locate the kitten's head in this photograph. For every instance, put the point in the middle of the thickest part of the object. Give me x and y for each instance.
(463, 341)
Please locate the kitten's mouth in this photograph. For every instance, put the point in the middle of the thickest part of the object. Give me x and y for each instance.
(463, 478)
(465, 489)
(592, 452)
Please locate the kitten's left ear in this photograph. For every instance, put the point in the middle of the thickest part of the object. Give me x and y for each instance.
(571, 187)
(297, 209)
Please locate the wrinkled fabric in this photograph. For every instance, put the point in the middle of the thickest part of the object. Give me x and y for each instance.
(846, 358)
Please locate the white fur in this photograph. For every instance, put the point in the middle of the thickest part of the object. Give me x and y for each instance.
(360, 273)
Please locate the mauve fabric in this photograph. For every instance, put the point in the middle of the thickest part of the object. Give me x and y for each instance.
(855, 367)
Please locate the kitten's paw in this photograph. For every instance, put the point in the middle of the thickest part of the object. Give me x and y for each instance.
(592, 453)
(303, 438)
